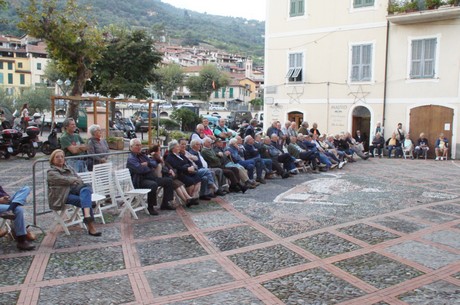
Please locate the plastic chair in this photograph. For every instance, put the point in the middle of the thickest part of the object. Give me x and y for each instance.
(6, 226)
(88, 178)
(133, 199)
(104, 185)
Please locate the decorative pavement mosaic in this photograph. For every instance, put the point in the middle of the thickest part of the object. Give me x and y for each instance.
(376, 232)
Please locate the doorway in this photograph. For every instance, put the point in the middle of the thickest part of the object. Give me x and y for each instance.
(362, 121)
(295, 116)
(431, 120)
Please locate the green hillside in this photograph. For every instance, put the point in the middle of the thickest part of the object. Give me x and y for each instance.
(234, 35)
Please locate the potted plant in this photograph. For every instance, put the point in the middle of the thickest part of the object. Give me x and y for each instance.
(433, 4)
(116, 143)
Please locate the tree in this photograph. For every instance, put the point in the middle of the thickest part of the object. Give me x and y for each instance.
(126, 66)
(188, 118)
(209, 80)
(71, 39)
(168, 79)
(38, 99)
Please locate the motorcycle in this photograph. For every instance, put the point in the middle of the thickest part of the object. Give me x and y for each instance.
(5, 147)
(52, 144)
(125, 125)
(22, 144)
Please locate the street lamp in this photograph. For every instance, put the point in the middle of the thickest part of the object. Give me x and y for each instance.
(64, 86)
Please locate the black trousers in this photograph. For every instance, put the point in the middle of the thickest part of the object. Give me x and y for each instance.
(153, 184)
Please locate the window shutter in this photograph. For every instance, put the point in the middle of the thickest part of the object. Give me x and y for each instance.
(231, 92)
(429, 58)
(416, 58)
(301, 7)
(1, 78)
(366, 62)
(292, 8)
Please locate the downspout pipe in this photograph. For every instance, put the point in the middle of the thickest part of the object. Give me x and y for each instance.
(385, 77)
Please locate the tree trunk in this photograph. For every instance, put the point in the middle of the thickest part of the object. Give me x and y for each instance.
(77, 90)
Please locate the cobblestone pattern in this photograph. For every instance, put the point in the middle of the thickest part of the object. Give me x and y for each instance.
(206, 221)
(378, 270)
(447, 208)
(326, 245)
(314, 286)
(114, 290)
(234, 238)
(14, 270)
(205, 207)
(234, 297)
(158, 228)
(187, 277)
(431, 216)
(401, 225)
(167, 250)
(425, 255)
(440, 292)
(369, 234)
(62, 265)
(448, 238)
(81, 237)
(267, 260)
(9, 297)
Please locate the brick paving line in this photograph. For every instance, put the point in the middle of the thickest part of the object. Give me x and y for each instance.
(440, 245)
(140, 287)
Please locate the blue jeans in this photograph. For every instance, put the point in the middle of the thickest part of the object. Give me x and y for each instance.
(78, 165)
(206, 179)
(19, 198)
(249, 166)
(398, 151)
(83, 200)
(325, 160)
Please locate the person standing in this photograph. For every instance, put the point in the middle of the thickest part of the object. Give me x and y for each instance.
(25, 116)
(400, 133)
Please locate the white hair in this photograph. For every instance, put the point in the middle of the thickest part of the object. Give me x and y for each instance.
(247, 138)
(232, 141)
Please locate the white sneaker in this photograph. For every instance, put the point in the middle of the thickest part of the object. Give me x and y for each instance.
(437, 159)
(341, 164)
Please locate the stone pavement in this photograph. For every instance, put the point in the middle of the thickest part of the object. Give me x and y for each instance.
(376, 232)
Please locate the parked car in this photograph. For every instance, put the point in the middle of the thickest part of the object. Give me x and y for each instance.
(166, 106)
(259, 116)
(217, 108)
(142, 124)
(184, 105)
(140, 106)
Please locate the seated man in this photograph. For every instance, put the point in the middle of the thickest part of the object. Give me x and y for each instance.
(238, 158)
(11, 208)
(142, 170)
(377, 143)
(73, 145)
(214, 162)
(309, 145)
(221, 131)
(421, 148)
(299, 153)
(271, 150)
(441, 147)
(252, 153)
(393, 144)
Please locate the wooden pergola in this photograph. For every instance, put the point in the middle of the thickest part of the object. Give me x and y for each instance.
(95, 100)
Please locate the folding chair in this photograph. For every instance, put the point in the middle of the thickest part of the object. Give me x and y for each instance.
(88, 178)
(301, 165)
(6, 226)
(133, 199)
(104, 185)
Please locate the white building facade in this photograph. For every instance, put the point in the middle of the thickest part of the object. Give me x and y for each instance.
(348, 64)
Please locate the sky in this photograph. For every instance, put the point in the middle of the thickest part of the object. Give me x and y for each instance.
(249, 9)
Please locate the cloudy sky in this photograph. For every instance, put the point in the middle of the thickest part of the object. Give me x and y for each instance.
(249, 9)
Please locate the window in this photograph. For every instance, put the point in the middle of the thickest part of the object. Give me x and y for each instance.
(22, 79)
(297, 8)
(231, 93)
(361, 61)
(223, 92)
(39, 66)
(19, 65)
(294, 73)
(10, 66)
(10, 78)
(423, 58)
(362, 3)
(1, 65)
(216, 94)
(1, 78)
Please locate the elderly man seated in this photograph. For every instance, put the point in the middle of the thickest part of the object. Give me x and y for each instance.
(238, 157)
(377, 144)
(421, 148)
(299, 153)
(408, 146)
(142, 170)
(309, 145)
(215, 163)
(394, 144)
(253, 153)
(272, 149)
(441, 147)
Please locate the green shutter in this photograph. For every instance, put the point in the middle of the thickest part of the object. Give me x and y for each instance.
(10, 78)
(216, 94)
(22, 79)
(223, 92)
(231, 92)
(1, 65)
(1, 78)
(10, 66)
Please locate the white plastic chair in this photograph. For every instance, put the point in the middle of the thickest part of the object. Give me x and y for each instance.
(133, 199)
(5, 225)
(104, 185)
(88, 178)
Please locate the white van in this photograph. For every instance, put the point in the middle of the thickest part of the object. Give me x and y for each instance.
(259, 116)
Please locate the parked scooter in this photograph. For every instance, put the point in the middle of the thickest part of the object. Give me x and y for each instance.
(23, 144)
(52, 144)
(6, 148)
(125, 125)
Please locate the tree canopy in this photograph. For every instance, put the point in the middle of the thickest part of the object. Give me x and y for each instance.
(209, 80)
(168, 79)
(126, 65)
(72, 40)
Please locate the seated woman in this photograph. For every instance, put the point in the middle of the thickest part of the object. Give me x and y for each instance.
(96, 145)
(408, 146)
(441, 147)
(186, 172)
(66, 187)
(421, 149)
(165, 170)
(393, 144)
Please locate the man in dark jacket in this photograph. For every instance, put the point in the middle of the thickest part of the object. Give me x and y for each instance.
(142, 173)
